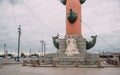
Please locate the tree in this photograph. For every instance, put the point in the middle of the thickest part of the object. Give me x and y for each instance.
(10, 55)
(2, 56)
(34, 55)
(23, 55)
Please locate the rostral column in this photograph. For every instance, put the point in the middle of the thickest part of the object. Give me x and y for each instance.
(73, 30)
(73, 47)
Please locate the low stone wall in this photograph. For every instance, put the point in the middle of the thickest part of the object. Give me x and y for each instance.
(113, 61)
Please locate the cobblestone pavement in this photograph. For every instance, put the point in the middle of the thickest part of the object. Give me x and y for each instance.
(26, 70)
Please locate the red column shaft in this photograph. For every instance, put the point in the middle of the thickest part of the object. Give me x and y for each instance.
(73, 28)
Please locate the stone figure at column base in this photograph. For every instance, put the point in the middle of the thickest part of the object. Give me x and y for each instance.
(71, 47)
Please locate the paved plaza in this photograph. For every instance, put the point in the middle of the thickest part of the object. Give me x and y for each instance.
(17, 69)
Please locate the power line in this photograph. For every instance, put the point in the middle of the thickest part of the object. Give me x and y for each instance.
(99, 36)
(37, 17)
(14, 16)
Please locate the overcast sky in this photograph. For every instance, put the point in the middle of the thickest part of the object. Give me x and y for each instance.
(42, 19)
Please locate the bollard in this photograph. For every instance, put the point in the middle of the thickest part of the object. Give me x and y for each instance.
(24, 63)
(99, 64)
(118, 62)
(54, 64)
(76, 63)
(34, 63)
(38, 62)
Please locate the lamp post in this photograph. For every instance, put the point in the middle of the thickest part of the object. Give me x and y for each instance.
(42, 42)
(44, 48)
(5, 49)
(43, 45)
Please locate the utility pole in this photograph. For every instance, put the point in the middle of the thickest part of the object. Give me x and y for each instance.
(19, 34)
(5, 49)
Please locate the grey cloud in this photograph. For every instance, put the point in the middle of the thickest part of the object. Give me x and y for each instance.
(3, 27)
(11, 1)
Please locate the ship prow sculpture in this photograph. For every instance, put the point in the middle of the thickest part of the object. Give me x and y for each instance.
(89, 44)
(73, 48)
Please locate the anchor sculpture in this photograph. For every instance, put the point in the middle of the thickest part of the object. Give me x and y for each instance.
(72, 16)
(90, 44)
(55, 42)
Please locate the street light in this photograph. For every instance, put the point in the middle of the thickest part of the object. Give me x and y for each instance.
(30, 52)
(43, 45)
(5, 49)
(42, 41)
